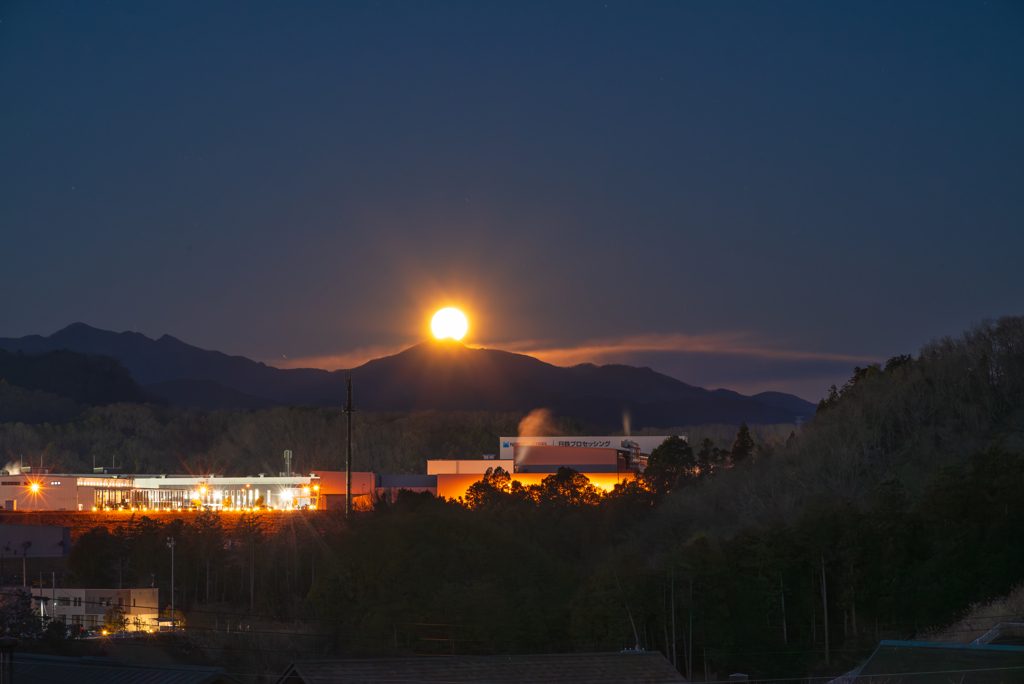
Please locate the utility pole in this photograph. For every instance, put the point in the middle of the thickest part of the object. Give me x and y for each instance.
(170, 544)
(824, 603)
(689, 648)
(252, 568)
(782, 593)
(672, 593)
(348, 446)
(24, 562)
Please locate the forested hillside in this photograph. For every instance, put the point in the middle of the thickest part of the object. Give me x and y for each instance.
(899, 423)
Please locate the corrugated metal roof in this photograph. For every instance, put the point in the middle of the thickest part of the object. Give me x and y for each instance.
(921, 662)
(569, 668)
(30, 668)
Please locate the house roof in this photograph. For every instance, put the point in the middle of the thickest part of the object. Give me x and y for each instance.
(568, 668)
(916, 662)
(30, 668)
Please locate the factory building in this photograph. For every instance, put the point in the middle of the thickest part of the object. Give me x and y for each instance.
(605, 460)
(87, 607)
(323, 490)
(72, 492)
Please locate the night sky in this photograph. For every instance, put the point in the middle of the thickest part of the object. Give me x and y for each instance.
(745, 195)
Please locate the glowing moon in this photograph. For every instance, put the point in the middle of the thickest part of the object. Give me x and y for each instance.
(449, 323)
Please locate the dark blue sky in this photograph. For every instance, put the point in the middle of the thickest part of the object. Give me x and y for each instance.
(749, 195)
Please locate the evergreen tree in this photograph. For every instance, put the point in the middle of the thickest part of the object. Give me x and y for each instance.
(670, 465)
(744, 444)
(707, 457)
(831, 400)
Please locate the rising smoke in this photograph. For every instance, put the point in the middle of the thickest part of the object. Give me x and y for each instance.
(538, 423)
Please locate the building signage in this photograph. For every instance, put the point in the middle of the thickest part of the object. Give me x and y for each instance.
(647, 443)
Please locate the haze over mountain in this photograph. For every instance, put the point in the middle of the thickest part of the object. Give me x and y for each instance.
(438, 375)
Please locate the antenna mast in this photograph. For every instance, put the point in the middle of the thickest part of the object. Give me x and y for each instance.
(348, 446)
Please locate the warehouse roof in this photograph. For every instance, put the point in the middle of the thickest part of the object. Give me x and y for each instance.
(30, 668)
(569, 668)
(913, 662)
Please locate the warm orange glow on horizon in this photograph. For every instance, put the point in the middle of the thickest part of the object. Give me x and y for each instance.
(454, 486)
(449, 322)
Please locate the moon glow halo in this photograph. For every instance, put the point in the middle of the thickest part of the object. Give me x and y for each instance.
(449, 322)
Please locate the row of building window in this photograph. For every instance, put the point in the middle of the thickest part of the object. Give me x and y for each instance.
(102, 601)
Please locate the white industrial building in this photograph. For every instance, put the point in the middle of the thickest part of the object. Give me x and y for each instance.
(646, 444)
(179, 491)
(71, 492)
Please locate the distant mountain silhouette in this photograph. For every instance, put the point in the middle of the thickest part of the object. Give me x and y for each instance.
(438, 375)
(168, 358)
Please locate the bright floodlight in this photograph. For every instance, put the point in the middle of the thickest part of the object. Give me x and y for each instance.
(449, 323)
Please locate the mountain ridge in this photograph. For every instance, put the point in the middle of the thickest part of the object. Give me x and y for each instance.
(430, 375)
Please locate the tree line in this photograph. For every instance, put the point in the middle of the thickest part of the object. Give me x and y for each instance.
(148, 438)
